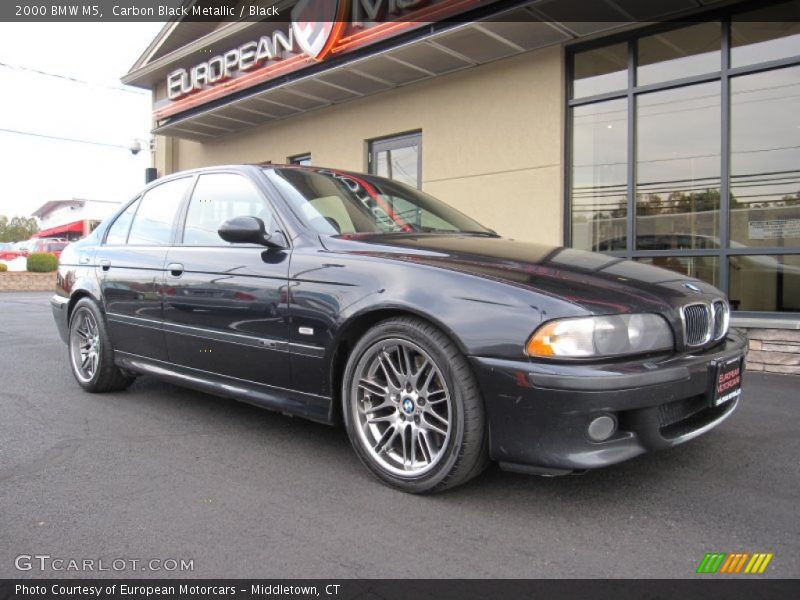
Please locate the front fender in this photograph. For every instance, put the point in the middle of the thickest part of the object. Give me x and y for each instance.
(483, 317)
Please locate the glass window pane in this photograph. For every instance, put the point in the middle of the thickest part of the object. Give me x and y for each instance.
(599, 176)
(600, 71)
(118, 232)
(152, 225)
(679, 53)
(705, 268)
(678, 167)
(401, 164)
(216, 198)
(765, 159)
(766, 34)
(338, 203)
(765, 283)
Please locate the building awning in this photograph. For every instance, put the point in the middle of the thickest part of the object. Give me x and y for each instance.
(75, 227)
(455, 48)
(429, 50)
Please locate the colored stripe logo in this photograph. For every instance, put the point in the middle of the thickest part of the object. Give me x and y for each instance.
(735, 563)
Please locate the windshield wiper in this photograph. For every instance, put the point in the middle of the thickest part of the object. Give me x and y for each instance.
(486, 233)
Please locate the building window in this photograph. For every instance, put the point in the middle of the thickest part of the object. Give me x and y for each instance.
(398, 158)
(677, 163)
(600, 71)
(679, 53)
(684, 148)
(766, 34)
(303, 160)
(599, 167)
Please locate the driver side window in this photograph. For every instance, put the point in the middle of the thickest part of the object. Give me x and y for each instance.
(218, 197)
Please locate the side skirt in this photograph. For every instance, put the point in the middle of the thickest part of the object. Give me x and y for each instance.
(289, 402)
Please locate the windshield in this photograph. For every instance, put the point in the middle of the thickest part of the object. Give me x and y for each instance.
(335, 203)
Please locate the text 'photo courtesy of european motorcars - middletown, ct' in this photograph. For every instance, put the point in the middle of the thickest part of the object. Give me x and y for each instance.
(352, 299)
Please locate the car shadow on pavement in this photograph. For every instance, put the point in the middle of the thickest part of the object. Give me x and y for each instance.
(199, 413)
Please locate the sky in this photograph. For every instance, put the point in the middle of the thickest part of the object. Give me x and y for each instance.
(97, 109)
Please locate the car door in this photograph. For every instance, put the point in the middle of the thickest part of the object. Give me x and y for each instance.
(130, 266)
(225, 305)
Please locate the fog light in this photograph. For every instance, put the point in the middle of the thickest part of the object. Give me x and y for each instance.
(601, 428)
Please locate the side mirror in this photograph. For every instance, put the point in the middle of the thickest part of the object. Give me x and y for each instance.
(246, 230)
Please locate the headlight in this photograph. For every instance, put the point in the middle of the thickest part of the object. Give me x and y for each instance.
(589, 337)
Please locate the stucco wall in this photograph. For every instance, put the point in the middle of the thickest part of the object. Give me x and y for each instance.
(492, 140)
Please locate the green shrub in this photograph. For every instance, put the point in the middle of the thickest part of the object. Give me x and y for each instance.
(42, 262)
(3, 267)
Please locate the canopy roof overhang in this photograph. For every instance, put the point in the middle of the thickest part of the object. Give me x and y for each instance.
(60, 230)
(51, 205)
(428, 51)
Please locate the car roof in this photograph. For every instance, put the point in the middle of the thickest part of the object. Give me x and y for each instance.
(317, 169)
(248, 167)
(267, 165)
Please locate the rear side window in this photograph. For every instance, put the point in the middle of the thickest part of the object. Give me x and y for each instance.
(218, 197)
(118, 232)
(152, 225)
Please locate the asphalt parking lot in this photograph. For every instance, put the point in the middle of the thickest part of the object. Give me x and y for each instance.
(162, 472)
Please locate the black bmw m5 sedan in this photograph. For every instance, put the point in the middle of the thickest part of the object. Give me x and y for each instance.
(343, 297)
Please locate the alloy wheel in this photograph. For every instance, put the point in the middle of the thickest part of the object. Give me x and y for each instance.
(85, 345)
(402, 408)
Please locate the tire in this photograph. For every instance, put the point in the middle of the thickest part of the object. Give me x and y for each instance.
(91, 355)
(413, 409)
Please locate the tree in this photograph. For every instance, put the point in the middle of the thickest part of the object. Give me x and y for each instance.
(17, 229)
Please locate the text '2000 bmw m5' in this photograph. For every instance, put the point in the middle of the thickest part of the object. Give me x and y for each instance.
(338, 296)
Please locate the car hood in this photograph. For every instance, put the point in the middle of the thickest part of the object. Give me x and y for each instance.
(599, 283)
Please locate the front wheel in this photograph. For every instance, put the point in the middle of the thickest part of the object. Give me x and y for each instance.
(91, 355)
(412, 408)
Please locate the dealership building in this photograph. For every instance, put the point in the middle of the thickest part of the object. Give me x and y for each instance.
(665, 131)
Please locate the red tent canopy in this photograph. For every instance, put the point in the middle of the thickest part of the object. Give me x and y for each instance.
(61, 230)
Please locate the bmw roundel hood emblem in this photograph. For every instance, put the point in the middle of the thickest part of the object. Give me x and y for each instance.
(692, 288)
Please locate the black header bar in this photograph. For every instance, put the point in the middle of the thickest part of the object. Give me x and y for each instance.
(606, 11)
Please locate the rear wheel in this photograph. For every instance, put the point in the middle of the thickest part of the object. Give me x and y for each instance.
(91, 354)
(412, 408)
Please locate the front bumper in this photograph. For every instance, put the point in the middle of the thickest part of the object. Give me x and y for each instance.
(539, 412)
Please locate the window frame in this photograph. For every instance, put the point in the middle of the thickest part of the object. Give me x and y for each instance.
(393, 142)
(724, 17)
(297, 159)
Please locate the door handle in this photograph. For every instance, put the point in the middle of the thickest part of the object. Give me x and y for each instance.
(106, 264)
(175, 269)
